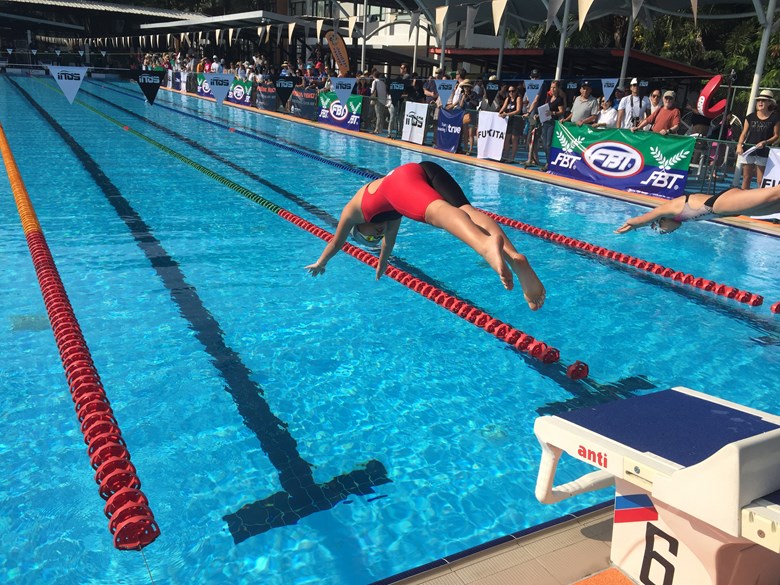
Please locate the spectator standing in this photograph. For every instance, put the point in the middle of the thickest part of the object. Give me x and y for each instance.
(556, 100)
(633, 108)
(512, 110)
(655, 101)
(761, 129)
(607, 116)
(664, 120)
(584, 108)
(468, 102)
(379, 93)
(534, 127)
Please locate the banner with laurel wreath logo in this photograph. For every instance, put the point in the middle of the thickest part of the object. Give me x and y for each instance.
(640, 162)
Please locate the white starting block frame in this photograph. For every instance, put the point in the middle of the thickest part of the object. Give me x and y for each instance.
(697, 483)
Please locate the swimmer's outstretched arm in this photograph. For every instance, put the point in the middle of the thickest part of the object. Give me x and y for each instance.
(388, 242)
(351, 216)
(668, 209)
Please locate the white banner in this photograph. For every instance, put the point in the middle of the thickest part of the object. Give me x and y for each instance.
(414, 122)
(490, 135)
(771, 177)
(69, 79)
(219, 84)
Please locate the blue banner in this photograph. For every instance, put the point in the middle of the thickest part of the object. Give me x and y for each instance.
(449, 128)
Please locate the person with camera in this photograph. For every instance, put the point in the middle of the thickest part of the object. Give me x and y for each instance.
(665, 120)
(633, 108)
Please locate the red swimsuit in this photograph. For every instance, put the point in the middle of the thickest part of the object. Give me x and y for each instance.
(405, 190)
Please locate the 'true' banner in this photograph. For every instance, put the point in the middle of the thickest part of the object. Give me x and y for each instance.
(640, 162)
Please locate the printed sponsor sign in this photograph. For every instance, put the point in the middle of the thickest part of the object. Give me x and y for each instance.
(608, 85)
(333, 112)
(285, 87)
(339, 50)
(414, 122)
(240, 92)
(641, 162)
(69, 79)
(217, 85)
(532, 89)
(444, 88)
(149, 82)
(491, 89)
(771, 177)
(266, 97)
(448, 129)
(304, 103)
(491, 133)
(343, 87)
(397, 88)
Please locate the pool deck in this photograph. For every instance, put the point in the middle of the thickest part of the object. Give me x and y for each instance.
(561, 554)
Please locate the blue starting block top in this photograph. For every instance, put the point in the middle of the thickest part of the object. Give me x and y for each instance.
(679, 427)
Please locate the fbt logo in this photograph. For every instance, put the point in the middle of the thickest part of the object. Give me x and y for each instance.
(613, 159)
(414, 120)
(338, 111)
(595, 457)
(146, 78)
(220, 81)
(69, 76)
(238, 92)
(565, 160)
(664, 180)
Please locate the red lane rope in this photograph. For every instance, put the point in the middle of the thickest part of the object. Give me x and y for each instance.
(743, 296)
(131, 523)
(503, 331)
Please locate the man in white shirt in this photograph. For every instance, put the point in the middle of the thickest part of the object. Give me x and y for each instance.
(633, 108)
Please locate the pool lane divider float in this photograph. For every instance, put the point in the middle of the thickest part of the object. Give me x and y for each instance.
(704, 284)
(730, 292)
(505, 332)
(131, 521)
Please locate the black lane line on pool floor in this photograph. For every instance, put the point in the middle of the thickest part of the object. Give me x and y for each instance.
(702, 298)
(301, 495)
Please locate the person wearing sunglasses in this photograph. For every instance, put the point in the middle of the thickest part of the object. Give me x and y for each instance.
(427, 193)
(655, 100)
(670, 215)
(607, 116)
(664, 120)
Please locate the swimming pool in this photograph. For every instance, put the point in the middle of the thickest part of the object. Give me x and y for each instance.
(235, 376)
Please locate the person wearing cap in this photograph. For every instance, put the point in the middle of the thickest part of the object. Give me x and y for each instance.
(468, 102)
(761, 129)
(633, 108)
(584, 108)
(664, 120)
(427, 193)
(670, 215)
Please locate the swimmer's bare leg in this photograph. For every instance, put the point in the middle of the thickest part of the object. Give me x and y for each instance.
(533, 289)
(458, 223)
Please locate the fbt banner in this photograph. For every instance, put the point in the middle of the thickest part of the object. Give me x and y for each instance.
(771, 177)
(641, 162)
(333, 112)
(414, 122)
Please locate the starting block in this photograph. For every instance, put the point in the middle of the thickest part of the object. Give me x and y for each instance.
(697, 484)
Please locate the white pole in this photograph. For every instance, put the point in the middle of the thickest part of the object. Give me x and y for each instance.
(363, 48)
(564, 34)
(761, 60)
(416, 46)
(443, 43)
(627, 48)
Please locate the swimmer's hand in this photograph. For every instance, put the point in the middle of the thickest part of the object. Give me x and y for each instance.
(625, 228)
(380, 268)
(315, 269)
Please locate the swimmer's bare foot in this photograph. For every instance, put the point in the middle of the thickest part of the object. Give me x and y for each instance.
(533, 289)
(495, 257)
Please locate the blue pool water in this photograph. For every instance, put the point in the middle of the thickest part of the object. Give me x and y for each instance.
(230, 370)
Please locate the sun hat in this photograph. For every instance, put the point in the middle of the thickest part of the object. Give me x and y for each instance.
(493, 78)
(766, 95)
(670, 94)
(467, 83)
